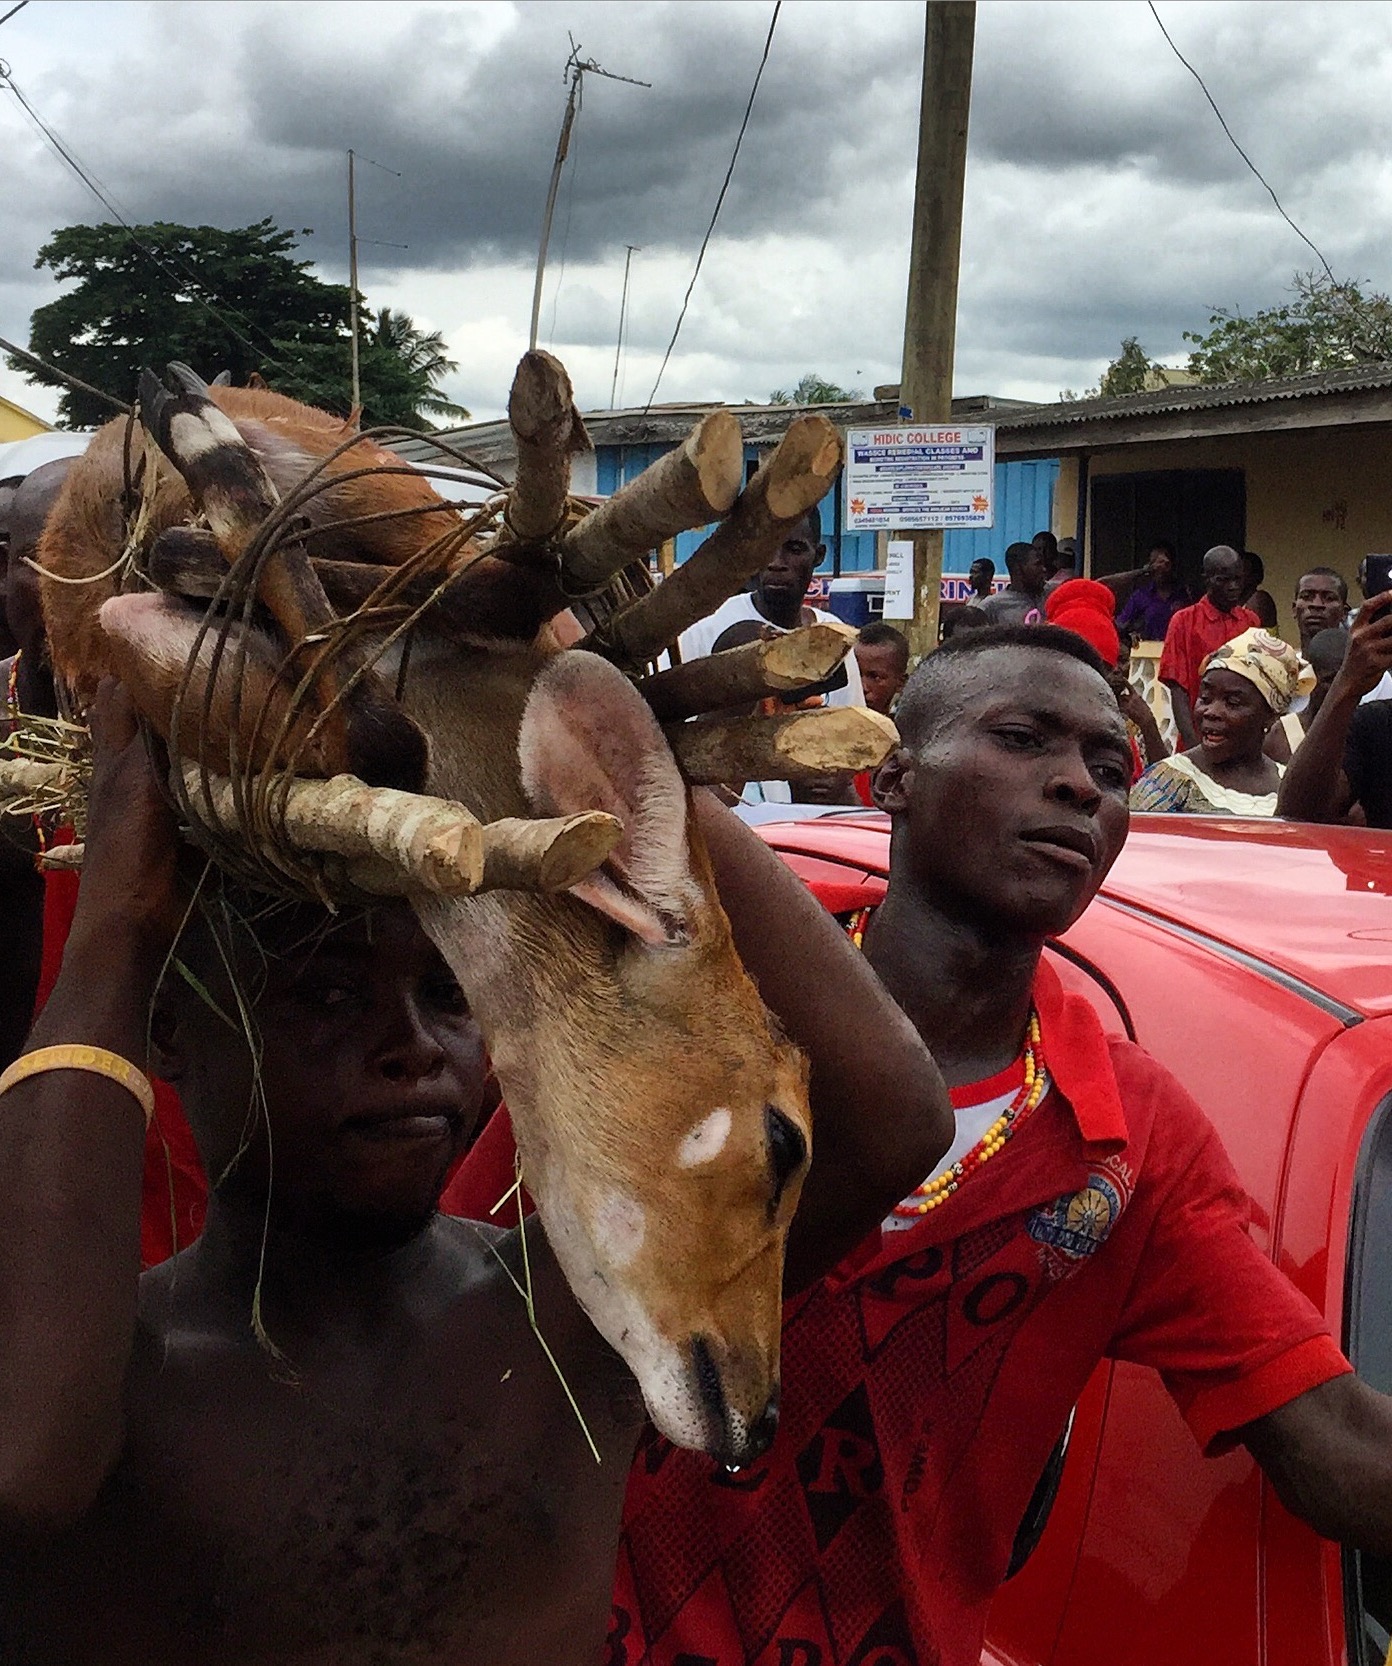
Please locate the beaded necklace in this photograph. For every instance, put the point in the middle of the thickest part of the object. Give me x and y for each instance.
(936, 1191)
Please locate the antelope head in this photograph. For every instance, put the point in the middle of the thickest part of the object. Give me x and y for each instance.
(661, 1116)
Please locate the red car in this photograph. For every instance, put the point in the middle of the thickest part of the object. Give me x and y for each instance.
(1255, 960)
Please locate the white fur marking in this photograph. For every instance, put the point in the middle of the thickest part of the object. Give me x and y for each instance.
(192, 437)
(620, 1225)
(704, 1142)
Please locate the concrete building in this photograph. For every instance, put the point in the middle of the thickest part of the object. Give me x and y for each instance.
(626, 442)
(18, 424)
(1297, 469)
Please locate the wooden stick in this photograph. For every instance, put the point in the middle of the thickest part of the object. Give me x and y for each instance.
(689, 487)
(547, 427)
(62, 858)
(546, 855)
(734, 678)
(827, 741)
(435, 845)
(23, 777)
(518, 855)
(798, 473)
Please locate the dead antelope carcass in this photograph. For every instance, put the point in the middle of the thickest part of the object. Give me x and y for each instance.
(662, 1120)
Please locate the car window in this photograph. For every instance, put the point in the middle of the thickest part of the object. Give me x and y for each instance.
(1368, 1343)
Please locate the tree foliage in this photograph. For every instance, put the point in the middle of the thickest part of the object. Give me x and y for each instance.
(425, 356)
(219, 300)
(1325, 326)
(1127, 372)
(815, 390)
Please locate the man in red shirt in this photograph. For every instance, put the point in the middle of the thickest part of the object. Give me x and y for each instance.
(1217, 617)
(1086, 1209)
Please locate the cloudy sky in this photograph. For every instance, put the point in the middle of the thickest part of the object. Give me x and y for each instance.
(1102, 198)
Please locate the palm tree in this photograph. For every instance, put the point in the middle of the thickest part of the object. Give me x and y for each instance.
(423, 353)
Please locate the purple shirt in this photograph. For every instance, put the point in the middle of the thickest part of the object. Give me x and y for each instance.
(1147, 613)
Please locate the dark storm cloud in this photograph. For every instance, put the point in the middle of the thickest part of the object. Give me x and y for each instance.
(471, 123)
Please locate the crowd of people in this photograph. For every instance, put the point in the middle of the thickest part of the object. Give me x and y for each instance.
(325, 1429)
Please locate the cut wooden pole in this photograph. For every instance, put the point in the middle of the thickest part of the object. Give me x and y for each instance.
(689, 487)
(793, 660)
(435, 845)
(62, 858)
(798, 473)
(827, 741)
(548, 429)
(518, 855)
(24, 777)
(550, 854)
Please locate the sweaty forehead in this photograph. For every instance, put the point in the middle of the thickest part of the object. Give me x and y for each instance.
(1061, 691)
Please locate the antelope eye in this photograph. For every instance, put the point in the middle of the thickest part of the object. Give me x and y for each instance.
(787, 1149)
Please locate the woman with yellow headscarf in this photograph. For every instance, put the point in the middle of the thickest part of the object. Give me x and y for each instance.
(1244, 686)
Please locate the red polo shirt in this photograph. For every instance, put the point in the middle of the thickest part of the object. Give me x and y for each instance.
(1193, 635)
(926, 1381)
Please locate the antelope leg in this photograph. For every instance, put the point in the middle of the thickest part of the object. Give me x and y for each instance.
(827, 741)
(691, 486)
(735, 678)
(369, 732)
(235, 493)
(433, 844)
(799, 472)
(547, 427)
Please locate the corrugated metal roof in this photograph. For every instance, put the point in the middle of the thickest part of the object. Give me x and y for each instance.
(1202, 397)
(492, 442)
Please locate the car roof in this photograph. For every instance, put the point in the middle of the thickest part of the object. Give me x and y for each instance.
(1311, 903)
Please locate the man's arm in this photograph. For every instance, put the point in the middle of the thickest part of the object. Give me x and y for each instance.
(1329, 1455)
(71, 1153)
(1315, 787)
(1183, 713)
(881, 1118)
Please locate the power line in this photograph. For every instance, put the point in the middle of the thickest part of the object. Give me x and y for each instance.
(103, 196)
(1238, 148)
(13, 9)
(725, 186)
(73, 381)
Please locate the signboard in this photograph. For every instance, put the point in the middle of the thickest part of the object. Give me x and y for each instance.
(899, 579)
(915, 477)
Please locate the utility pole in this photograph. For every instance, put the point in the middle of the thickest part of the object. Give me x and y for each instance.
(353, 241)
(930, 321)
(633, 249)
(577, 68)
(353, 279)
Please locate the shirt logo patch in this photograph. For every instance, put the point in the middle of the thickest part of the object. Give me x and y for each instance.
(1078, 1224)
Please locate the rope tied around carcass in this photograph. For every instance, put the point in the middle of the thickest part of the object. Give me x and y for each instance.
(256, 848)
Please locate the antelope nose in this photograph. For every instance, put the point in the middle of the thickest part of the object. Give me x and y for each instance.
(735, 1440)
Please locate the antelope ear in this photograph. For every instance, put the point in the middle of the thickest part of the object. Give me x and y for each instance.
(589, 741)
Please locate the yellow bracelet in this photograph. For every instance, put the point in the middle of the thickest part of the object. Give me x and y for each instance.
(98, 1060)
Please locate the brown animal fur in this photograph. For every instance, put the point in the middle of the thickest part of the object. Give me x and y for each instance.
(620, 1020)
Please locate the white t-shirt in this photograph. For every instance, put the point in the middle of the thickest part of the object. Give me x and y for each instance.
(972, 1123)
(697, 642)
